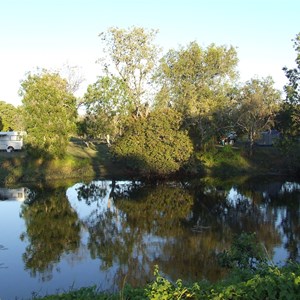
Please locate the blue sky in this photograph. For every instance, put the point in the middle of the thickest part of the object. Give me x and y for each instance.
(51, 33)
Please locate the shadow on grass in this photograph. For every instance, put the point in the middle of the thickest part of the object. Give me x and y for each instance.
(226, 169)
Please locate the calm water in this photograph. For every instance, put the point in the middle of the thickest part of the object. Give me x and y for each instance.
(105, 232)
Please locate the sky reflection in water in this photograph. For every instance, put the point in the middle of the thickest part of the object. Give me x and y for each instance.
(101, 232)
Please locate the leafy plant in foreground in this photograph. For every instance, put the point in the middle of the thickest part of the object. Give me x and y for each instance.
(163, 289)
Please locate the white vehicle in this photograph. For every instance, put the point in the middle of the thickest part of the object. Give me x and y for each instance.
(11, 140)
(13, 194)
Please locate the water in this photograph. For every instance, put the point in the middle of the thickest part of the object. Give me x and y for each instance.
(106, 233)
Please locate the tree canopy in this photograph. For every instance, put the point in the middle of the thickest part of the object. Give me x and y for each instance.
(10, 117)
(198, 86)
(258, 102)
(291, 109)
(131, 56)
(196, 82)
(155, 144)
(107, 104)
(49, 113)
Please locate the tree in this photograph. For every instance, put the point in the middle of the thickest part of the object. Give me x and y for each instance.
(155, 145)
(288, 119)
(291, 108)
(107, 105)
(292, 89)
(258, 102)
(49, 113)
(196, 82)
(10, 116)
(131, 57)
(73, 76)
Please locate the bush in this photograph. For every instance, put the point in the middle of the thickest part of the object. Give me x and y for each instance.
(155, 145)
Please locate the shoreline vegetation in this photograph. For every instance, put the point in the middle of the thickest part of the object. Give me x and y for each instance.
(228, 162)
(84, 162)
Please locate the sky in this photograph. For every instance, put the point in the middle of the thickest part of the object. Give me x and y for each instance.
(52, 33)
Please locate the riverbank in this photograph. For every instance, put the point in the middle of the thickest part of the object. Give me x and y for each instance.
(267, 282)
(81, 162)
(236, 160)
(95, 161)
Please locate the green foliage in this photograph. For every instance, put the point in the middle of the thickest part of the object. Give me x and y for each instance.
(107, 104)
(155, 144)
(224, 161)
(197, 82)
(266, 283)
(289, 147)
(131, 55)
(89, 293)
(270, 283)
(10, 117)
(292, 89)
(245, 253)
(49, 112)
(163, 289)
(258, 102)
(288, 119)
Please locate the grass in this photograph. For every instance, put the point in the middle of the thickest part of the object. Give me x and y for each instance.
(236, 161)
(81, 161)
(96, 161)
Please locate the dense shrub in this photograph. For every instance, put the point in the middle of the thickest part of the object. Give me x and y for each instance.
(155, 144)
(49, 111)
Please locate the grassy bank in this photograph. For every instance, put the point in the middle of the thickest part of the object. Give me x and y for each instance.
(231, 161)
(95, 161)
(80, 162)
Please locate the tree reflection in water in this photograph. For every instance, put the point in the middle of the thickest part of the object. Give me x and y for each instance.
(52, 228)
(132, 226)
(180, 229)
(133, 232)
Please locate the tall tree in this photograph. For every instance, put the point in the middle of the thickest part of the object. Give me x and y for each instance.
(292, 90)
(196, 81)
(288, 119)
(258, 102)
(49, 113)
(107, 105)
(131, 56)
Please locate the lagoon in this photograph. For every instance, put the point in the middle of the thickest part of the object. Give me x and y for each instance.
(107, 232)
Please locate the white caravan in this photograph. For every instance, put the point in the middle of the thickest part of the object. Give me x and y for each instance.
(11, 140)
(19, 194)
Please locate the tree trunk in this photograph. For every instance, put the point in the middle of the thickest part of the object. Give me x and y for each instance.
(108, 140)
(251, 140)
